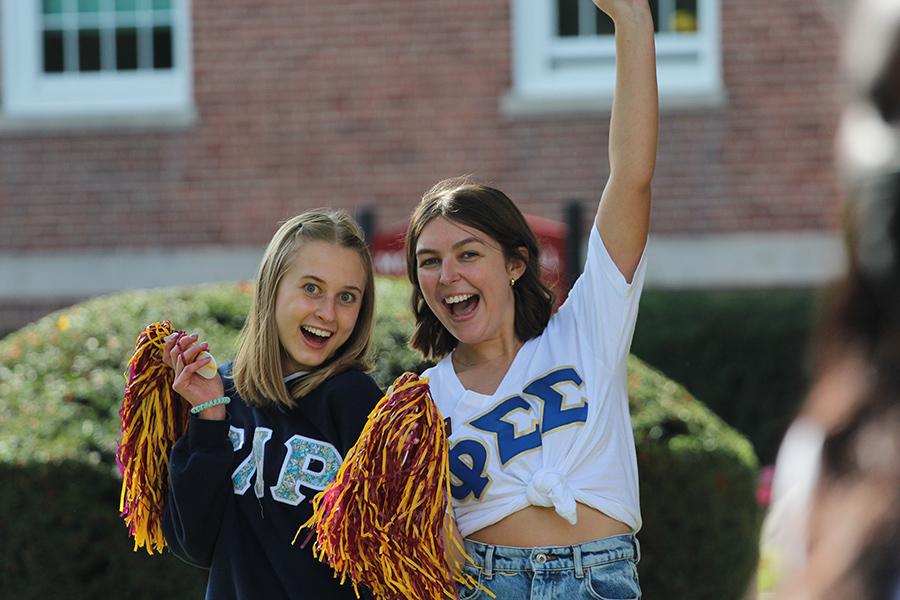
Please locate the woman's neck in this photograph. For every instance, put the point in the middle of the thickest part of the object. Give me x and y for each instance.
(493, 353)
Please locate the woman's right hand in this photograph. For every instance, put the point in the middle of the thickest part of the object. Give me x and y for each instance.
(180, 353)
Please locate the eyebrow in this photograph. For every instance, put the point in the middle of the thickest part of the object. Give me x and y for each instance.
(462, 242)
(320, 280)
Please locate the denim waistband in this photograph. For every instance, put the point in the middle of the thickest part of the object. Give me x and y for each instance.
(492, 558)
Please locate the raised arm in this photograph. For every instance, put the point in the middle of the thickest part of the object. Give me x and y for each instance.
(623, 217)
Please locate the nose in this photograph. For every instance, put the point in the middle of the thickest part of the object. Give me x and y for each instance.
(449, 274)
(325, 309)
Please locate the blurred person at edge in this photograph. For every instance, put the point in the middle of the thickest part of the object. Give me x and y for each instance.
(833, 530)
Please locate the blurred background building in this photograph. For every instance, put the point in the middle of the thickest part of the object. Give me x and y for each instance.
(158, 142)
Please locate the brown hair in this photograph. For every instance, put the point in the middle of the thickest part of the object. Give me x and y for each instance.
(490, 211)
(860, 469)
(854, 521)
(258, 374)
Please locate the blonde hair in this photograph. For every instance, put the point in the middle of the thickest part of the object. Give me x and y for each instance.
(258, 374)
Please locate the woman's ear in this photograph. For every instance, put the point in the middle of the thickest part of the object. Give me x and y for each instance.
(518, 263)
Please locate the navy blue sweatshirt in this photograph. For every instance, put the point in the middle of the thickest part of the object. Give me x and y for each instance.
(222, 516)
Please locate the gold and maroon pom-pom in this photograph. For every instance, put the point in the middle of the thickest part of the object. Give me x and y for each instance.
(153, 417)
(384, 522)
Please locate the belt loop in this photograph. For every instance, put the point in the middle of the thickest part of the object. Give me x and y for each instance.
(489, 562)
(579, 566)
(637, 549)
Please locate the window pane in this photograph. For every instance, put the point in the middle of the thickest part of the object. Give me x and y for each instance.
(89, 50)
(162, 47)
(88, 6)
(654, 8)
(126, 49)
(53, 52)
(125, 5)
(162, 4)
(604, 24)
(685, 19)
(676, 16)
(568, 17)
(52, 7)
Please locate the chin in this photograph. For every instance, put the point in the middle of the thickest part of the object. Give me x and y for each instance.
(307, 363)
(468, 338)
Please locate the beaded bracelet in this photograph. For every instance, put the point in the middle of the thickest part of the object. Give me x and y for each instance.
(209, 404)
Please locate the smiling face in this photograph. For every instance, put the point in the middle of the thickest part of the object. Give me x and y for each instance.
(317, 303)
(464, 278)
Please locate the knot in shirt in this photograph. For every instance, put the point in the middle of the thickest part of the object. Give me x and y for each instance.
(550, 488)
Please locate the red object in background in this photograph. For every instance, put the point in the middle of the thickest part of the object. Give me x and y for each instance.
(389, 258)
(764, 486)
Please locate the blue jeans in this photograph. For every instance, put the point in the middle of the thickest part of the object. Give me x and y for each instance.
(605, 569)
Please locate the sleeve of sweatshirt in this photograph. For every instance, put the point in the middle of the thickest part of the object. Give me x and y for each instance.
(199, 490)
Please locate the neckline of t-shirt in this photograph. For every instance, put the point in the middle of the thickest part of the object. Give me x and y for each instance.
(295, 375)
(461, 389)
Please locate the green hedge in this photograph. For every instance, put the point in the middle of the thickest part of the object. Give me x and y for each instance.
(743, 353)
(698, 494)
(60, 387)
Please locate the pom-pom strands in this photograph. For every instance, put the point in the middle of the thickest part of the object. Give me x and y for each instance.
(383, 521)
(153, 418)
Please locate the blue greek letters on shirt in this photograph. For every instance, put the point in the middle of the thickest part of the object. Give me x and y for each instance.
(510, 441)
(553, 415)
(468, 476)
(296, 470)
(240, 479)
(467, 461)
(308, 462)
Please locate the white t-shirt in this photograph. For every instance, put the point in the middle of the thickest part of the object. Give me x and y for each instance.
(557, 430)
(783, 541)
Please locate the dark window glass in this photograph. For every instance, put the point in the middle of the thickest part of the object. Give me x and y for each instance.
(162, 47)
(568, 17)
(683, 19)
(604, 24)
(89, 50)
(126, 49)
(54, 61)
(685, 15)
(654, 8)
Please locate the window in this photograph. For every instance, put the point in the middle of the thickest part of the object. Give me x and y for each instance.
(96, 57)
(564, 51)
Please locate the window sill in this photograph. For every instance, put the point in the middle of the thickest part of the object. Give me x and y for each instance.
(176, 119)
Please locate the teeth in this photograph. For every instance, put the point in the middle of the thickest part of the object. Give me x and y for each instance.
(317, 331)
(458, 298)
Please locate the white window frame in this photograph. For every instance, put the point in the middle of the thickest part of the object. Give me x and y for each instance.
(29, 93)
(550, 72)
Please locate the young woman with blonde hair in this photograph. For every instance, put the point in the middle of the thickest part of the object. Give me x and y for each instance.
(270, 430)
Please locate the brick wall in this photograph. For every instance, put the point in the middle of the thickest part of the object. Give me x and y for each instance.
(354, 103)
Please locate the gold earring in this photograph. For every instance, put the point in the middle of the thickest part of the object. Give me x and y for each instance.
(512, 282)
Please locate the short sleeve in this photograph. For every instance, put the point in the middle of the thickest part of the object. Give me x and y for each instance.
(602, 306)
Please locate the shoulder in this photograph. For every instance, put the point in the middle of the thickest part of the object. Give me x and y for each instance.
(225, 372)
(438, 372)
(351, 384)
(441, 383)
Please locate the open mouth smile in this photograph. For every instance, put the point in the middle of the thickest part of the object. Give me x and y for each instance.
(461, 305)
(315, 336)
